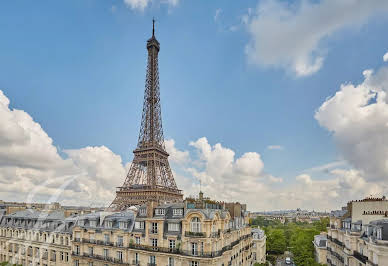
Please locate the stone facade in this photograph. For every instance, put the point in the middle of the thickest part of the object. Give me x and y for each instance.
(359, 236)
(169, 234)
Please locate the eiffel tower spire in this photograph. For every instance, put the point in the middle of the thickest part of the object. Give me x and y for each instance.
(150, 177)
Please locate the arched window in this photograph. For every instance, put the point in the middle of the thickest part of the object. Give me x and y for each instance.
(195, 225)
(214, 227)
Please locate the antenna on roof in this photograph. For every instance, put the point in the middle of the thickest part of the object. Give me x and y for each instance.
(153, 26)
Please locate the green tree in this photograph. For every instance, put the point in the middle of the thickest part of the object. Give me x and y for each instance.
(276, 241)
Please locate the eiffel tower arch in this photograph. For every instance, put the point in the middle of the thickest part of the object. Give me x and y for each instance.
(150, 177)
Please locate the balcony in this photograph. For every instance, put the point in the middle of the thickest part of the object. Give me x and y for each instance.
(116, 260)
(135, 262)
(153, 231)
(194, 234)
(369, 263)
(90, 241)
(119, 244)
(105, 243)
(360, 257)
(215, 234)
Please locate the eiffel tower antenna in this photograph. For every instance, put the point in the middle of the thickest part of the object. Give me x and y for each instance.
(150, 177)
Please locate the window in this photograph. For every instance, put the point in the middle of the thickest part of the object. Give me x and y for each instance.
(154, 229)
(76, 262)
(61, 240)
(106, 238)
(123, 225)
(91, 236)
(120, 241)
(177, 212)
(154, 242)
(194, 249)
(76, 251)
(93, 223)
(90, 250)
(160, 212)
(136, 257)
(120, 256)
(62, 257)
(108, 224)
(81, 222)
(77, 235)
(194, 263)
(195, 225)
(170, 261)
(152, 260)
(106, 253)
(174, 227)
(171, 244)
(139, 225)
(379, 234)
(90, 263)
(137, 240)
(143, 211)
(66, 256)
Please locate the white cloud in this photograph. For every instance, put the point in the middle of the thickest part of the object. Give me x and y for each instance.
(275, 147)
(217, 14)
(306, 179)
(289, 35)
(274, 179)
(176, 156)
(32, 170)
(357, 117)
(137, 4)
(385, 57)
(141, 5)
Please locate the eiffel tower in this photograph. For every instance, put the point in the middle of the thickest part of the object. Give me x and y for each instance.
(150, 177)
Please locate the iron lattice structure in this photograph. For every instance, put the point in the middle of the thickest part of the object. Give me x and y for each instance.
(150, 177)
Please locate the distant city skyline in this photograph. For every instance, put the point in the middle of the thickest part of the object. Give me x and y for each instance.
(277, 104)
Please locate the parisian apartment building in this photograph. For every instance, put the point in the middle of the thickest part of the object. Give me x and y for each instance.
(357, 235)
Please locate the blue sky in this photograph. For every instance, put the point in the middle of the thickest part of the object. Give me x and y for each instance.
(78, 69)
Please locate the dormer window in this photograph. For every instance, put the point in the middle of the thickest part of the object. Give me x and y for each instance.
(160, 212)
(93, 223)
(143, 211)
(139, 225)
(379, 234)
(108, 224)
(123, 225)
(177, 212)
(81, 222)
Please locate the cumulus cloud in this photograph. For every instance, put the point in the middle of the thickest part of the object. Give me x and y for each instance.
(289, 35)
(385, 57)
(306, 179)
(357, 117)
(176, 156)
(32, 170)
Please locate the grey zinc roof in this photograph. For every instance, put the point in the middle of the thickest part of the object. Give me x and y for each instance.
(40, 215)
(172, 205)
(379, 222)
